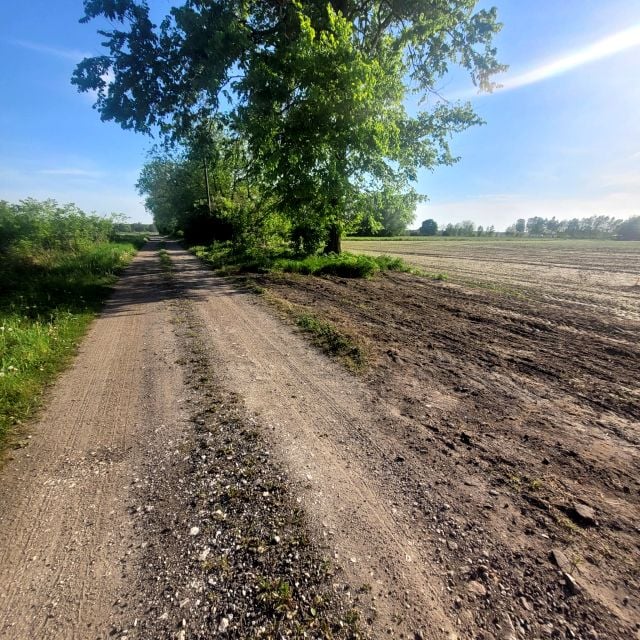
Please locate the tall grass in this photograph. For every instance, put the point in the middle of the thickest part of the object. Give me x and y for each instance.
(56, 266)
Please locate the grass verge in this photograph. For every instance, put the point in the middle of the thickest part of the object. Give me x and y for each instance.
(323, 334)
(45, 308)
(331, 340)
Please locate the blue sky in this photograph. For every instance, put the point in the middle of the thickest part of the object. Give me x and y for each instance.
(562, 138)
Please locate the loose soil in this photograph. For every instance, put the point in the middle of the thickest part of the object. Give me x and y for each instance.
(511, 413)
(202, 471)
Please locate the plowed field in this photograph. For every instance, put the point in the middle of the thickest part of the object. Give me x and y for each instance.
(515, 385)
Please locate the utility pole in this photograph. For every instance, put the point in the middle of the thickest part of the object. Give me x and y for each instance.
(206, 180)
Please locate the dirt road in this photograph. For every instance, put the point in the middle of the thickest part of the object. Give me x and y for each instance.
(203, 471)
(68, 550)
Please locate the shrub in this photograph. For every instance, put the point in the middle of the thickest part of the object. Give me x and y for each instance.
(344, 265)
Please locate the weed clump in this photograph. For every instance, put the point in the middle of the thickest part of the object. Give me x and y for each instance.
(343, 265)
(328, 338)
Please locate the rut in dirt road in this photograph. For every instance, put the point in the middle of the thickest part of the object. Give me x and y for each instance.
(68, 550)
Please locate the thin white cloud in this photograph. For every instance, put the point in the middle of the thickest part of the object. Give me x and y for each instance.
(66, 54)
(72, 173)
(604, 48)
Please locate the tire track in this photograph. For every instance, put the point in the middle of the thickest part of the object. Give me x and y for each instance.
(316, 416)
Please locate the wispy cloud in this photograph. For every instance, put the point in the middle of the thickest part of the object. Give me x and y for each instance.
(74, 55)
(72, 173)
(604, 48)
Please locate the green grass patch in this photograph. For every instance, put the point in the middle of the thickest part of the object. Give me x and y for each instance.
(48, 299)
(223, 257)
(331, 340)
(137, 239)
(345, 265)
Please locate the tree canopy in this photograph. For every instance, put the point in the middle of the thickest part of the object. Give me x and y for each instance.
(314, 90)
(428, 227)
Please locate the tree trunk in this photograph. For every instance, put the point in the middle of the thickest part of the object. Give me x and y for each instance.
(334, 242)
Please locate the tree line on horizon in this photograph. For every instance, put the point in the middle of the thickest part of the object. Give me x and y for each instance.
(593, 227)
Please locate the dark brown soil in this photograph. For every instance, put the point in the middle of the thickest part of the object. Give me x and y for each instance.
(512, 415)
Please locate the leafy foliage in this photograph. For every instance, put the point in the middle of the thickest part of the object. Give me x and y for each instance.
(428, 228)
(56, 264)
(311, 93)
(629, 229)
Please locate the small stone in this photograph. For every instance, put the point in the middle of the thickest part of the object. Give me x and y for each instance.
(584, 515)
(476, 588)
(164, 616)
(571, 583)
(561, 561)
(224, 625)
(204, 554)
(453, 546)
(194, 531)
(526, 605)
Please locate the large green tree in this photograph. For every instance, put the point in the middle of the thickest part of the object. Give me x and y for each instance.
(316, 89)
